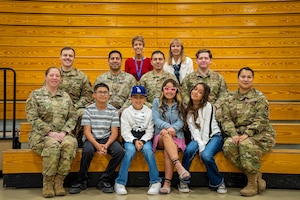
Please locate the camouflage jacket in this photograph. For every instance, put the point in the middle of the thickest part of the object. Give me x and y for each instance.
(246, 113)
(77, 85)
(47, 112)
(119, 88)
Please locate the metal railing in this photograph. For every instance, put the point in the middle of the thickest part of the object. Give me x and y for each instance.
(15, 137)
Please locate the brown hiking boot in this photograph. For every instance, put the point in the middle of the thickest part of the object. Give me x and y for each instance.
(261, 183)
(252, 187)
(59, 185)
(48, 191)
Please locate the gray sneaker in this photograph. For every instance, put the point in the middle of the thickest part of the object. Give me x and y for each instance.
(183, 187)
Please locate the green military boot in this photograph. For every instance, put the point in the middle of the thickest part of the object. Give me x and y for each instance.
(251, 188)
(59, 185)
(48, 191)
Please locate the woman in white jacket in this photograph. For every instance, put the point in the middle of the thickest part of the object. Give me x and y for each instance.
(205, 134)
(178, 63)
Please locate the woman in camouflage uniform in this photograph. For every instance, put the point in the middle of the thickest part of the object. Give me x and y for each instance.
(249, 132)
(52, 116)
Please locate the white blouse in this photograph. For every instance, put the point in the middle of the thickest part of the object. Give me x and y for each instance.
(186, 67)
(201, 135)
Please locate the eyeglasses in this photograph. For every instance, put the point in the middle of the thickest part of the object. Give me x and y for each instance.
(168, 89)
(102, 93)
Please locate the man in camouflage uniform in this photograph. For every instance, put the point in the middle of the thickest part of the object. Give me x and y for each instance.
(52, 116)
(77, 85)
(245, 121)
(204, 74)
(154, 79)
(118, 81)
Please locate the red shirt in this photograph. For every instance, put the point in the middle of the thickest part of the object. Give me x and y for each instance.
(131, 68)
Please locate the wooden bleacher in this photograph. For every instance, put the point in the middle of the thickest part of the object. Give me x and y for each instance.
(279, 161)
(263, 34)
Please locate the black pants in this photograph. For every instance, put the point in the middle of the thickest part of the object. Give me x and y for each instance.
(115, 150)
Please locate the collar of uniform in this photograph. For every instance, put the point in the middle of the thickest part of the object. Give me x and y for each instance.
(46, 92)
(72, 72)
(250, 94)
(111, 76)
(203, 76)
(157, 74)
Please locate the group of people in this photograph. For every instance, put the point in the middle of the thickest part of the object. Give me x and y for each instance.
(155, 105)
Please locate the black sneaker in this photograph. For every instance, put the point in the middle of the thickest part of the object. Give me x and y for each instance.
(105, 187)
(77, 188)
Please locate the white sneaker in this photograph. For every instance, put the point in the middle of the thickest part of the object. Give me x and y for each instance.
(154, 188)
(183, 187)
(120, 189)
(222, 189)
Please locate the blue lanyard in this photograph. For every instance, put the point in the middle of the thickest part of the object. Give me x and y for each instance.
(139, 71)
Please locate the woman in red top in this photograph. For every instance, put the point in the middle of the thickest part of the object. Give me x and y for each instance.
(138, 65)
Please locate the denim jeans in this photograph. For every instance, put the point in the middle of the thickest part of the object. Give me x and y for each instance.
(115, 150)
(207, 156)
(130, 152)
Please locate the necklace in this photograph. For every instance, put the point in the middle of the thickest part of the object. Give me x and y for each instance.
(138, 70)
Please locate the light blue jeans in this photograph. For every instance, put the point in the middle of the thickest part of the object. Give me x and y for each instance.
(214, 145)
(130, 152)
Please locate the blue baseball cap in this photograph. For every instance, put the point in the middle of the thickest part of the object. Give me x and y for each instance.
(138, 89)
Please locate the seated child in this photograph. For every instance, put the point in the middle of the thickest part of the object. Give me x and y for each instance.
(100, 121)
(137, 131)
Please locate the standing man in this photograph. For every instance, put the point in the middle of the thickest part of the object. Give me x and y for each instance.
(118, 81)
(154, 79)
(214, 80)
(77, 85)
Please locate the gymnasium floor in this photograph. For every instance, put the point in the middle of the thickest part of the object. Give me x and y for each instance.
(139, 193)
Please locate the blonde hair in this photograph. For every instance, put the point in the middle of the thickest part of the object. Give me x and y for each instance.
(182, 55)
(138, 38)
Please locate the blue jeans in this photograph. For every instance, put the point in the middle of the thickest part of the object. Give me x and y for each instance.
(214, 145)
(130, 152)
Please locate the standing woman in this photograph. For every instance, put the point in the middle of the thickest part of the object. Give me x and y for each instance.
(206, 138)
(177, 63)
(52, 116)
(167, 113)
(248, 129)
(139, 64)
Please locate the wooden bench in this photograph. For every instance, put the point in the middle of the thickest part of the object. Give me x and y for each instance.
(279, 161)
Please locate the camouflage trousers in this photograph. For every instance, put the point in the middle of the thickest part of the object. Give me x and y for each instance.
(78, 130)
(57, 157)
(247, 155)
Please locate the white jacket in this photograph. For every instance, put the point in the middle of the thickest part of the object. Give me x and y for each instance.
(201, 136)
(185, 68)
(138, 120)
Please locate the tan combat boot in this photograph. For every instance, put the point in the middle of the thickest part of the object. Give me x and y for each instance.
(59, 185)
(261, 183)
(252, 187)
(48, 191)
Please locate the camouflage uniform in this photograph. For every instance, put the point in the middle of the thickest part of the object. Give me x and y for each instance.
(47, 112)
(153, 83)
(77, 85)
(247, 114)
(216, 82)
(119, 88)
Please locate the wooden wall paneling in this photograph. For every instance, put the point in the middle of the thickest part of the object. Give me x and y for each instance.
(85, 62)
(150, 21)
(273, 92)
